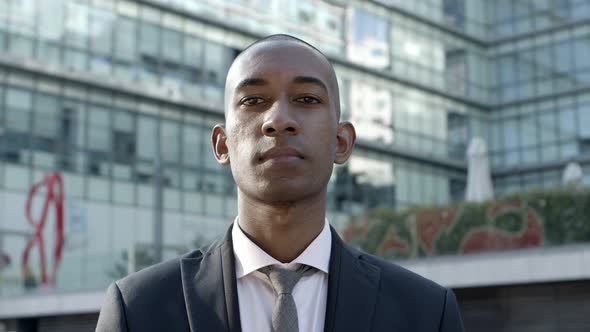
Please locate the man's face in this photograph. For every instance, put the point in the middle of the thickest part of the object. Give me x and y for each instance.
(282, 134)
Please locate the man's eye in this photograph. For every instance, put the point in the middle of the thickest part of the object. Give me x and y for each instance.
(251, 101)
(308, 100)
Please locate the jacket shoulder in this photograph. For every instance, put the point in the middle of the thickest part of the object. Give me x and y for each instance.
(156, 281)
(153, 299)
(401, 278)
(420, 304)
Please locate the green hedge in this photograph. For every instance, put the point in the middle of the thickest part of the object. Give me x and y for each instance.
(524, 220)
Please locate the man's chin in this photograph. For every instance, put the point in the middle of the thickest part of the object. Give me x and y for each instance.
(283, 190)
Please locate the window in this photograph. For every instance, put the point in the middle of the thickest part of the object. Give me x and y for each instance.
(526, 66)
(193, 70)
(511, 134)
(22, 16)
(101, 65)
(217, 62)
(170, 142)
(144, 172)
(454, 11)
(456, 71)
(98, 129)
(76, 25)
(584, 146)
(51, 25)
(370, 112)
(123, 146)
(567, 124)
(496, 136)
(20, 46)
(48, 53)
(368, 40)
(507, 69)
(583, 121)
(191, 145)
(582, 52)
(171, 45)
(193, 52)
(125, 39)
(75, 60)
(47, 119)
(547, 126)
(372, 180)
(563, 57)
(529, 130)
(146, 138)
(18, 105)
(149, 39)
(18, 98)
(503, 10)
(549, 152)
(101, 30)
(457, 134)
(544, 66)
(74, 119)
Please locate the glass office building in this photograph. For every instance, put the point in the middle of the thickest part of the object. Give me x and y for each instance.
(101, 90)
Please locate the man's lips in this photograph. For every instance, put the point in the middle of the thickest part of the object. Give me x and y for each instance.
(281, 154)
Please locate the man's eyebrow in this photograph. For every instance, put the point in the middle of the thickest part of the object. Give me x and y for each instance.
(310, 79)
(252, 81)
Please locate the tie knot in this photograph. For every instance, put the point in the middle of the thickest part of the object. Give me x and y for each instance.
(282, 280)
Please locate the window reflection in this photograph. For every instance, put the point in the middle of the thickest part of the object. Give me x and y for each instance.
(363, 183)
(170, 134)
(149, 37)
(456, 71)
(22, 16)
(76, 24)
(371, 112)
(101, 30)
(191, 141)
(458, 134)
(454, 11)
(146, 127)
(98, 141)
(50, 26)
(124, 139)
(125, 39)
(367, 40)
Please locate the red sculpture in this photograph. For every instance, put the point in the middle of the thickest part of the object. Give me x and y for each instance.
(55, 196)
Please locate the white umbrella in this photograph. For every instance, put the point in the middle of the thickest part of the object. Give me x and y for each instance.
(572, 175)
(479, 178)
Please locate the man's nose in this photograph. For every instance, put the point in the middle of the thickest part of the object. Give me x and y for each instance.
(280, 120)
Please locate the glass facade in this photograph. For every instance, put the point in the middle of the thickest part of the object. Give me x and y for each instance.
(539, 92)
(87, 88)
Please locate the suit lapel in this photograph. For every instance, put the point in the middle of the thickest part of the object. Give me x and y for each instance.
(352, 289)
(210, 291)
(230, 286)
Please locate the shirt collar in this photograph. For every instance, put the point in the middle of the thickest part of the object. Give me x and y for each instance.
(250, 257)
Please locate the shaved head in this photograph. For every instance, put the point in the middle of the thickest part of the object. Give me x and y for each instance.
(268, 44)
(280, 37)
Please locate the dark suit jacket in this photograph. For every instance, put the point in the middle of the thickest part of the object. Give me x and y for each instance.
(198, 292)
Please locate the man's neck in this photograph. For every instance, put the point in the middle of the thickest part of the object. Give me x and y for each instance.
(282, 230)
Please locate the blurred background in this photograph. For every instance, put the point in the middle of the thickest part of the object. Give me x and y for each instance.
(472, 166)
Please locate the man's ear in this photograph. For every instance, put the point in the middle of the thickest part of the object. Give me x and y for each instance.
(346, 137)
(219, 144)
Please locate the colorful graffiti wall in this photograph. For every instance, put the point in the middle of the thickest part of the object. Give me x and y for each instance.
(522, 221)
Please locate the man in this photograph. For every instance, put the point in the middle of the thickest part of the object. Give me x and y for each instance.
(280, 266)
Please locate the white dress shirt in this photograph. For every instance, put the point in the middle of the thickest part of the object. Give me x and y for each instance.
(256, 296)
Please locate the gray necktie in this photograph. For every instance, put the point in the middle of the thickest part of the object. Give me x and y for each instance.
(284, 313)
